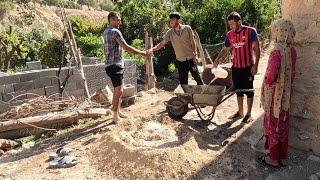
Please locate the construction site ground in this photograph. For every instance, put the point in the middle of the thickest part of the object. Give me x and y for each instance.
(150, 145)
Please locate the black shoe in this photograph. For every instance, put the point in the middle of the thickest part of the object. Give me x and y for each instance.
(246, 118)
(236, 116)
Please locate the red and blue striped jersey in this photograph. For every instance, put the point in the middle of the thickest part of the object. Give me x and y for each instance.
(241, 44)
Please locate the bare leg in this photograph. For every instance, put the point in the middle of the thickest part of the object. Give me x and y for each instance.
(240, 105)
(250, 103)
(116, 102)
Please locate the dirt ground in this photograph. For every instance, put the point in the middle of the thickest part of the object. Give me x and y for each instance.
(150, 145)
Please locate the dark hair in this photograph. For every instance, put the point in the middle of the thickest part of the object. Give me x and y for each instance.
(112, 15)
(234, 16)
(175, 15)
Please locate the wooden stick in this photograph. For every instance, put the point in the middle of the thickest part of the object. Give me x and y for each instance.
(199, 46)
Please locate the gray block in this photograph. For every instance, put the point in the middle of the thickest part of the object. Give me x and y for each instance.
(23, 86)
(42, 82)
(55, 81)
(102, 68)
(29, 76)
(128, 90)
(34, 65)
(8, 88)
(48, 73)
(70, 86)
(2, 87)
(10, 96)
(4, 107)
(9, 79)
(75, 93)
(39, 91)
(49, 90)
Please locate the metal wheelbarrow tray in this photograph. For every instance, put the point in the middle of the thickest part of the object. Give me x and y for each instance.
(198, 96)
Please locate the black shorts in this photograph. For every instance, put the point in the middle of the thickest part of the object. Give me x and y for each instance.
(243, 79)
(115, 73)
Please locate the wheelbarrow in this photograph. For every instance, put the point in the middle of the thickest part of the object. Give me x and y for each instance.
(199, 96)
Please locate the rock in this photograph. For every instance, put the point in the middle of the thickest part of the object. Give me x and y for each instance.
(103, 96)
(141, 94)
(314, 158)
(1, 152)
(8, 144)
(313, 177)
(13, 152)
(152, 91)
(28, 145)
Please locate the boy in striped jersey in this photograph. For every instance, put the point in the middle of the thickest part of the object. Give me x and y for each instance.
(243, 40)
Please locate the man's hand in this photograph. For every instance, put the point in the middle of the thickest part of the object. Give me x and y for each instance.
(195, 59)
(149, 52)
(254, 69)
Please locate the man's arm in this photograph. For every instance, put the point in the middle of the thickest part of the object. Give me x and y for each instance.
(256, 49)
(222, 55)
(159, 46)
(194, 46)
(131, 49)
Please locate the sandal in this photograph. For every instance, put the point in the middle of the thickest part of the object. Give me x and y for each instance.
(246, 118)
(263, 161)
(236, 116)
(64, 162)
(60, 152)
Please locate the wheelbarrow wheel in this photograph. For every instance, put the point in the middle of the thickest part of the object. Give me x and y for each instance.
(177, 108)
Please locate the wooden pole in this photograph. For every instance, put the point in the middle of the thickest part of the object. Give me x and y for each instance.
(74, 48)
(200, 49)
(150, 76)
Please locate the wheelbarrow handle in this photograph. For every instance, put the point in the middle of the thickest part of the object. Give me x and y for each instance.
(236, 91)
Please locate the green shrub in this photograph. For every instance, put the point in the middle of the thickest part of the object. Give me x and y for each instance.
(171, 67)
(52, 52)
(107, 6)
(52, 2)
(71, 5)
(90, 45)
(83, 27)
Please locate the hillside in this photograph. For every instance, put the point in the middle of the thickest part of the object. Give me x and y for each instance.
(45, 16)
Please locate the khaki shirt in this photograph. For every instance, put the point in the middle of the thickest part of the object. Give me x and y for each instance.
(182, 44)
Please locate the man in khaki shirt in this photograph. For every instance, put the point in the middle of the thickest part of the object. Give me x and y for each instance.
(184, 45)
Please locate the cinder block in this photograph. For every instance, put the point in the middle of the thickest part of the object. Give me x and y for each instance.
(39, 91)
(2, 87)
(34, 65)
(23, 86)
(8, 88)
(29, 76)
(70, 86)
(75, 93)
(102, 67)
(9, 96)
(128, 101)
(48, 73)
(42, 82)
(49, 90)
(128, 91)
(4, 107)
(9, 79)
(54, 81)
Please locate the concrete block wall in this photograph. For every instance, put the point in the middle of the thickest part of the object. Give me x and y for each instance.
(305, 109)
(45, 82)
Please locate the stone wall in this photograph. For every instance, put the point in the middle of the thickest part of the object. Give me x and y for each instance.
(305, 107)
(45, 82)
